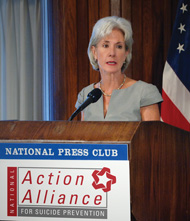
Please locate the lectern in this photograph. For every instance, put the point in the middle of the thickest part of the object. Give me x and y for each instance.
(159, 158)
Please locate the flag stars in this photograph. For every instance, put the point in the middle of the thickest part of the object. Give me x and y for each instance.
(182, 28)
(184, 8)
(180, 48)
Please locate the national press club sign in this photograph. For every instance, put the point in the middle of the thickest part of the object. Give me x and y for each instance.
(64, 181)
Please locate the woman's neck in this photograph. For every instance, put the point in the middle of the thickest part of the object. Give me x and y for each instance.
(110, 82)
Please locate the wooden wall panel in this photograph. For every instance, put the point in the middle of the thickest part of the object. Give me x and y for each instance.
(137, 53)
(70, 52)
(126, 9)
(82, 72)
(115, 7)
(147, 23)
(160, 33)
(73, 20)
(93, 17)
(104, 8)
(126, 13)
(65, 58)
(57, 54)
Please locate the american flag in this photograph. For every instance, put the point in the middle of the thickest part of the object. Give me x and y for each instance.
(175, 109)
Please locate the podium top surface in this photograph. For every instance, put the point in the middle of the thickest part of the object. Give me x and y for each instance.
(74, 131)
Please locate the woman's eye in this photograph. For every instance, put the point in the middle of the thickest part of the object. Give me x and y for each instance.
(120, 46)
(105, 45)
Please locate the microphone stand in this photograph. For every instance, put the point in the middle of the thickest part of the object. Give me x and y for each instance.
(92, 97)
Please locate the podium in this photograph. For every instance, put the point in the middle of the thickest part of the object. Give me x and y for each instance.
(159, 158)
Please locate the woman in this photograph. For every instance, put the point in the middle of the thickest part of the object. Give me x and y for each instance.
(123, 99)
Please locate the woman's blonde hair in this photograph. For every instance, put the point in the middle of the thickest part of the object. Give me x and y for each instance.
(104, 27)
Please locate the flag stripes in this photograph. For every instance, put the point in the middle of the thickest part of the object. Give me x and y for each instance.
(175, 109)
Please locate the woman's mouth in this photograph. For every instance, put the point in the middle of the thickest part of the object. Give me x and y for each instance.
(111, 62)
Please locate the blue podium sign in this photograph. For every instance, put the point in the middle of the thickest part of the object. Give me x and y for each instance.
(63, 151)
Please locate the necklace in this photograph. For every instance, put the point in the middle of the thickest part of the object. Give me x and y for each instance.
(109, 95)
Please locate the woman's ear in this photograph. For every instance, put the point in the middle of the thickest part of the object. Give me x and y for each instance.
(93, 48)
(126, 54)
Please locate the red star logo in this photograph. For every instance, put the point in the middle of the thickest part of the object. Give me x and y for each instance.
(106, 173)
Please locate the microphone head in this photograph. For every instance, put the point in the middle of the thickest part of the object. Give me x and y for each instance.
(95, 95)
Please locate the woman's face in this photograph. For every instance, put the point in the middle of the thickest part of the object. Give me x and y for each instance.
(110, 52)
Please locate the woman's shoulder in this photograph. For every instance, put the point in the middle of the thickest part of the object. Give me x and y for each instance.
(136, 84)
(139, 84)
(142, 88)
(88, 88)
(129, 82)
(146, 86)
(149, 93)
(84, 92)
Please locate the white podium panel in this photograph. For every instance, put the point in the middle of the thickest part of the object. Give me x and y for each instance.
(64, 181)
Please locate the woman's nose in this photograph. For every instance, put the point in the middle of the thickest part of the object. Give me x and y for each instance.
(112, 51)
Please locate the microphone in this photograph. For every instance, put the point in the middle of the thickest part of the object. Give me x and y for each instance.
(92, 97)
